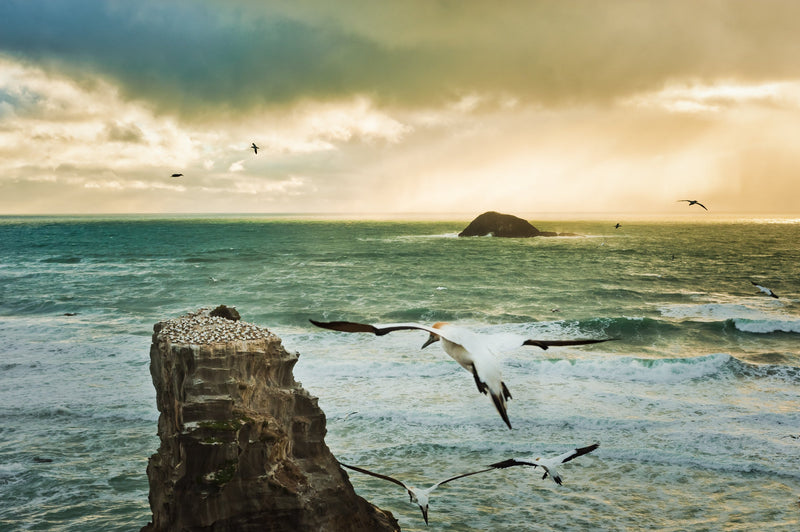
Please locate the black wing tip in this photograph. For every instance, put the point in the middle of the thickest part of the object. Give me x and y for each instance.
(507, 463)
(501, 408)
(580, 451)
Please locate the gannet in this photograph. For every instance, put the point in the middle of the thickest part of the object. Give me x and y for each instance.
(765, 290)
(549, 464)
(693, 202)
(255, 148)
(475, 353)
(176, 175)
(416, 495)
(617, 226)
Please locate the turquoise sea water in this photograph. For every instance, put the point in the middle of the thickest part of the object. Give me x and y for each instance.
(694, 407)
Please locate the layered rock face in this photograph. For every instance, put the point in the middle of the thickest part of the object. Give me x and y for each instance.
(242, 443)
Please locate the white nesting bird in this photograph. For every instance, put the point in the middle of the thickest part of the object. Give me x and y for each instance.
(765, 290)
(475, 353)
(548, 464)
(416, 495)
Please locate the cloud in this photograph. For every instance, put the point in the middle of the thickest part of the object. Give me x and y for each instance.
(123, 132)
(396, 106)
(235, 56)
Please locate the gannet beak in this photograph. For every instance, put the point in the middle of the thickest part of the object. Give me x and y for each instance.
(425, 514)
(431, 339)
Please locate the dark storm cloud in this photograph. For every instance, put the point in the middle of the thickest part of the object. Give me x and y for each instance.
(185, 53)
(189, 55)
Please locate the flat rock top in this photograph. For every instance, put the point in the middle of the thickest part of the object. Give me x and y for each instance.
(198, 328)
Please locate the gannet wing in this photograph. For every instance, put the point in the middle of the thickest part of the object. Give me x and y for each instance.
(460, 476)
(574, 453)
(377, 475)
(379, 330)
(762, 288)
(511, 462)
(544, 344)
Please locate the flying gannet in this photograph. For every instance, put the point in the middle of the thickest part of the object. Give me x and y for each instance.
(416, 495)
(474, 352)
(176, 175)
(693, 202)
(255, 148)
(548, 464)
(765, 290)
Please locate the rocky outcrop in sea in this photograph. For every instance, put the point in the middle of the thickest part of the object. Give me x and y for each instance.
(242, 443)
(504, 226)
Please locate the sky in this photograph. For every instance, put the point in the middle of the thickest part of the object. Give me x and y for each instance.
(399, 106)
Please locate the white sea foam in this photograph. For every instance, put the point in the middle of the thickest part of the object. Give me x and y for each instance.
(766, 326)
(713, 312)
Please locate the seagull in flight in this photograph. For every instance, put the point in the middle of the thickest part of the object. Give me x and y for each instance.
(416, 495)
(693, 202)
(474, 352)
(255, 148)
(548, 464)
(765, 290)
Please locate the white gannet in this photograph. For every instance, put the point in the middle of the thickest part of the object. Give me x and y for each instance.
(693, 202)
(549, 464)
(416, 495)
(255, 148)
(475, 353)
(765, 290)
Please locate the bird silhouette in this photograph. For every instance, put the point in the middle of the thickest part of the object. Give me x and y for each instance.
(693, 202)
(255, 148)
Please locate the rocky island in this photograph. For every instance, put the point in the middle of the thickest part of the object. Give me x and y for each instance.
(242, 443)
(504, 226)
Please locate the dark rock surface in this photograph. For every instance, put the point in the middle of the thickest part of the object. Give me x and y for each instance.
(229, 313)
(242, 443)
(504, 226)
(501, 225)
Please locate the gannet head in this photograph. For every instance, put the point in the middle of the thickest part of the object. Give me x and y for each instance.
(421, 498)
(433, 337)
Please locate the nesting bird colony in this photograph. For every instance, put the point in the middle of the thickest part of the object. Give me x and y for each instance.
(199, 328)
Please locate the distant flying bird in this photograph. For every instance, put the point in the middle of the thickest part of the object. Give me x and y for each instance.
(693, 202)
(617, 226)
(475, 353)
(255, 148)
(765, 290)
(548, 464)
(416, 495)
(176, 175)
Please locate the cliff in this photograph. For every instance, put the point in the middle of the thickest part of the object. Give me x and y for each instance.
(242, 443)
(504, 225)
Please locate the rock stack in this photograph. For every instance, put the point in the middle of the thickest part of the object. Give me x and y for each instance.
(504, 226)
(242, 443)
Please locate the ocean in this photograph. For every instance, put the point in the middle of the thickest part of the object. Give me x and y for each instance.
(696, 406)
